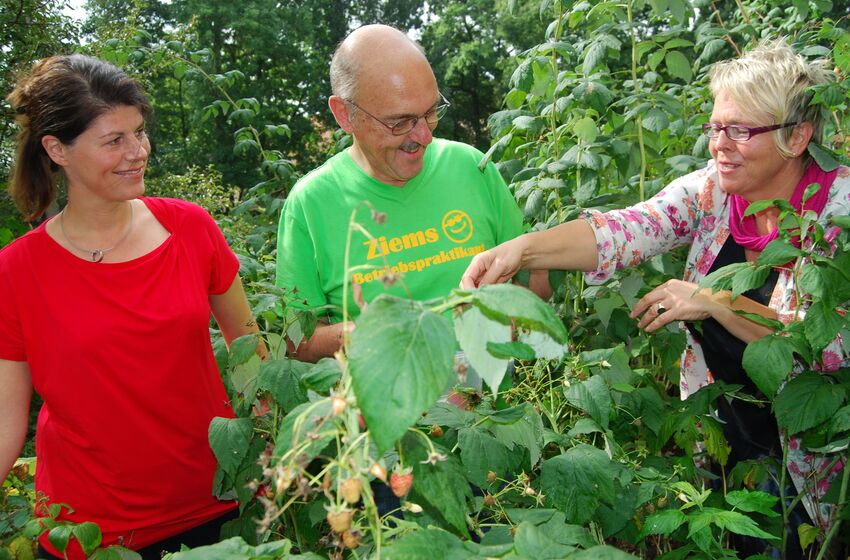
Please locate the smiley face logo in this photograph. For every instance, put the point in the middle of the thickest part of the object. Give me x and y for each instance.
(457, 226)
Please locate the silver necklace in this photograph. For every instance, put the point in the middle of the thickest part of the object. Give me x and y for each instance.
(96, 254)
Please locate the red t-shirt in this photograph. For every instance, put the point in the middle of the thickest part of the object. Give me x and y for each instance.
(121, 355)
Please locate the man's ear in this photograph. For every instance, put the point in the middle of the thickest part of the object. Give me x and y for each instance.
(55, 149)
(340, 110)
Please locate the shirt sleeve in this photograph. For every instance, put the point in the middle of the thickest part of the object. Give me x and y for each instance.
(297, 266)
(223, 262)
(507, 215)
(629, 236)
(11, 336)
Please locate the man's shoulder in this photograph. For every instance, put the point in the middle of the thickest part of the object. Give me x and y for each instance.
(323, 177)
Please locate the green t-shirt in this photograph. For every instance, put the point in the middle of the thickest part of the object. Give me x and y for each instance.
(434, 225)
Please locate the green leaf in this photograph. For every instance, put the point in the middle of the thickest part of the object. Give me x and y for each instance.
(663, 522)
(586, 129)
(446, 414)
(531, 541)
(808, 534)
(323, 375)
(543, 345)
(401, 361)
(747, 279)
(738, 523)
(115, 552)
(840, 421)
(422, 544)
(441, 489)
(282, 378)
(576, 481)
(305, 417)
(236, 547)
(779, 252)
(503, 302)
(755, 501)
(89, 536)
(806, 401)
(768, 361)
(59, 536)
(678, 66)
(474, 333)
(822, 157)
(593, 397)
(822, 324)
(602, 552)
(480, 453)
(242, 349)
(229, 440)
(655, 120)
(518, 350)
(526, 431)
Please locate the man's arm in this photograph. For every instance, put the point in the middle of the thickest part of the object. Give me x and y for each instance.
(326, 340)
(15, 396)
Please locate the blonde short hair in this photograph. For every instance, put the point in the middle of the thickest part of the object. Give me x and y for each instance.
(771, 82)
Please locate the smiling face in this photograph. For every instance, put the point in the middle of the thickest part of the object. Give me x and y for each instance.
(753, 169)
(410, 91)
(108, 160)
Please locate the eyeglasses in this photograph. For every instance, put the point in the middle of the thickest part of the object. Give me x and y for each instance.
(739, 132)
(405, 125)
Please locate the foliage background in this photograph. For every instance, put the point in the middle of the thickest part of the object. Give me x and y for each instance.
(581, 104)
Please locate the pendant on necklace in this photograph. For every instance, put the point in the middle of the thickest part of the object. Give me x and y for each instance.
(97, 255)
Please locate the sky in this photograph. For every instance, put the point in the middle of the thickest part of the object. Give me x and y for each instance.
(74, 9)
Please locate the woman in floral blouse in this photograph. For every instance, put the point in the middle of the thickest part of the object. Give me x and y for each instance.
(759, 133)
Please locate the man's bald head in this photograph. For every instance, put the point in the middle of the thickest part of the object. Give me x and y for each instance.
(370, 55)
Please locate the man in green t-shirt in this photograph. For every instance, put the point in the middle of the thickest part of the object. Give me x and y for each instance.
(424, 206)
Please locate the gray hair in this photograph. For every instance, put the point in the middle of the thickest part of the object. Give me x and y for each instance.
(772, 81)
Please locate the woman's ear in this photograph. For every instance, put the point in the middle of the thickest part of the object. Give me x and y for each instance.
(55, 149)
(340, 110)
(800, 137)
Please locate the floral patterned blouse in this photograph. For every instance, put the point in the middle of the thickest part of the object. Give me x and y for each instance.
(694, 211)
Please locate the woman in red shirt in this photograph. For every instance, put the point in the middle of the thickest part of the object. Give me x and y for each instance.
(105, 311)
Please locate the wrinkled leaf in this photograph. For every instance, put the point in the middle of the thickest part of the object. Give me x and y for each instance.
(229, 440)
(576, 481)
(401, 361)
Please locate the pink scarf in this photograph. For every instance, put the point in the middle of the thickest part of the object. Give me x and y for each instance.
(744, 228)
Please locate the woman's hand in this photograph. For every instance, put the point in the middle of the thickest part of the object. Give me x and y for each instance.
(675, 300)
(494, 266)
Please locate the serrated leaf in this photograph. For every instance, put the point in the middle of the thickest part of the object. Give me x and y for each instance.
(441, 488)
(474, 333)
(806, 401)
(282, 378)
(586, 129)
(229, 439)
(822, 157)
(779, 252)
(89, 536)
(738, 523)
(602, 552)
(447, 414)
(323, 375)
(236, 547)
(509, 350)
(59, 537)
(526, 431)
(677, 64)
(422, 544)
(576, 481)
(753, 501)
(401, 361)
(504, 302)
(531, 541)
(748, 278)
(822, 324)
(480, 453)
(768, 361)
(592, 396)
(663, 522)
(242, 349)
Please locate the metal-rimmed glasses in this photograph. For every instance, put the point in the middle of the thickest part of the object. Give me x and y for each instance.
(739, 132)
(405, 125)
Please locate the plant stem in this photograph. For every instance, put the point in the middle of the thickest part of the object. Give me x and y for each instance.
(639, 119)
(842, 503)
